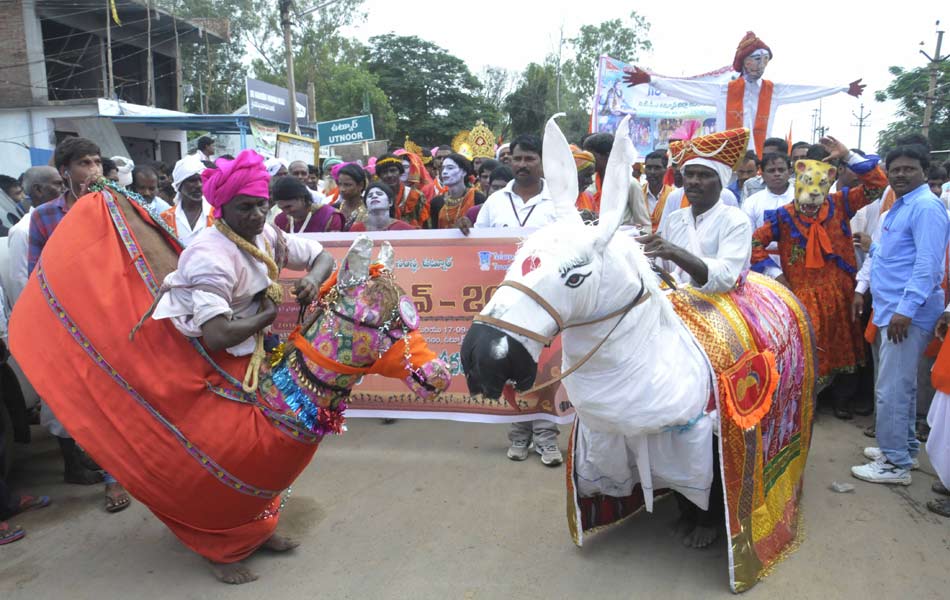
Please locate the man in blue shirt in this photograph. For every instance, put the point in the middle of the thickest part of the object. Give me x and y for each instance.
(906, 272)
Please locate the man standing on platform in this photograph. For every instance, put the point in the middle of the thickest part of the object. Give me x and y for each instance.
(748, 101)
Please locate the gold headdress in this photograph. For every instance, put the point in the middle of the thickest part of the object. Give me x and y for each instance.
(482, 141)
(462, 144)
(414, 148)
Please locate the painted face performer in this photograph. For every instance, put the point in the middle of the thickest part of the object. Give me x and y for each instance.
(817, 256)
(379, 201)
(748, 101)
(410, 205)
(459, 197)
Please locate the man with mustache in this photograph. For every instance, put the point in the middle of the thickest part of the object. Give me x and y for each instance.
(747, 101)
(907, 267)
(707, 243)
(817, 260)
(524, 202)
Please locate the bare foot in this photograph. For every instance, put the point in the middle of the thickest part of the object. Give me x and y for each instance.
(682, 526)
(701, 537)
(279, 543)
(233, 573)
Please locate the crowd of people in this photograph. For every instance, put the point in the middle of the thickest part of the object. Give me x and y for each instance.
(862, 243)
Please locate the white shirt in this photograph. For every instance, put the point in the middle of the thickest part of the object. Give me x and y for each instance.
(713, 93)
(157, 205)
(721, 237)
(755, 207)
(18, 244)
(505, 208)
(675, 198)
(759, 202)
(185, 232)
(215, 277)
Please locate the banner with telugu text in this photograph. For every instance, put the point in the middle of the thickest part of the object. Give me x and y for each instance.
(450, 277)
(654, 115)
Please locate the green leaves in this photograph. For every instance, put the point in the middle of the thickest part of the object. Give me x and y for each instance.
(433, 93)
(909, 89)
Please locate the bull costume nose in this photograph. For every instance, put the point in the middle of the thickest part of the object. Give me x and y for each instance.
(490, 357)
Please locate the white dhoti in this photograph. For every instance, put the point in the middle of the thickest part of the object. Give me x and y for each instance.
(938, 444)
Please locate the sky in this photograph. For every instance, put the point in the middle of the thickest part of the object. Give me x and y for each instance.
(828, 43)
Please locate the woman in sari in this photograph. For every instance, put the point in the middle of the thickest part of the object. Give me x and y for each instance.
(298, 212)
(351, 182)
(447, 209)
(379, 199)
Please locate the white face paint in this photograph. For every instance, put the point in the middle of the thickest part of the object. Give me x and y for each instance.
(405, 171)
(376, 199)
(452, 174)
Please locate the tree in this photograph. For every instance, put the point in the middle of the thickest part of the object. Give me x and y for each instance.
(496, 85)
(909, 90)
(433, 93)
(531, 103)
(615, 38)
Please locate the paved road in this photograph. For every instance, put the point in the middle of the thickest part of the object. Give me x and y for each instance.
(427, 509)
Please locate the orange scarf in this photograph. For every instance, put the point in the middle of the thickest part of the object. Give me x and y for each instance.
(735, 110)
(657, 213)
(819, 243)
(599, 182)
(888, 202)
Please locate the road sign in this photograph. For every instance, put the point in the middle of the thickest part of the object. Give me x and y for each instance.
(346, 131)
(272, 102)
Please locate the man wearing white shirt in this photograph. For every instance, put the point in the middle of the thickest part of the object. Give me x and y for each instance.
(777, 193)
(206, 148)
(524, 202)
(301, 171)
(41, 184)
(191, 213)
(708, 244)
(676, 201)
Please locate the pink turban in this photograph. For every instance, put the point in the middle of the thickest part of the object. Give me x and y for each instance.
(245, 175)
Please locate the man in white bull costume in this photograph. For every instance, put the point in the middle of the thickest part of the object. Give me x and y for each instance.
(653, 373)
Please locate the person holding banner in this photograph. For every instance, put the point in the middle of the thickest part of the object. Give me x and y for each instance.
(747, 101)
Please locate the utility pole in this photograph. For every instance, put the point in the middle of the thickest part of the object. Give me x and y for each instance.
(111, 89)
(935, 61)
(861, 119)
(289, 55)
(150, 65)
(179, 94)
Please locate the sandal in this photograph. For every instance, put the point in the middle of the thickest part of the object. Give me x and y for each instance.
(940, 507)
(116, 502)
(28, 503)
(10, 534)
(938, 488)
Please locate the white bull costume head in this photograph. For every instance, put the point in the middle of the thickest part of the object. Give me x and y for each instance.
(588, 282)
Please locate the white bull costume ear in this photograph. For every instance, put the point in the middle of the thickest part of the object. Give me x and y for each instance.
(616, 185)
(560, 173)
(355, 267)
(386, 256)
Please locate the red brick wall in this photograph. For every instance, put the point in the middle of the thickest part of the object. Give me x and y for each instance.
(15, 80)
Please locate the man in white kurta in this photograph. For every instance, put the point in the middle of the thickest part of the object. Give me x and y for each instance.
(752, 56)
(707, 244)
